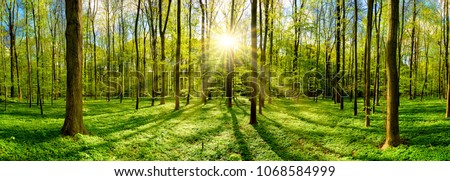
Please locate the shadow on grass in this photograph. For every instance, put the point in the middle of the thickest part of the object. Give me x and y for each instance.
(243, 147)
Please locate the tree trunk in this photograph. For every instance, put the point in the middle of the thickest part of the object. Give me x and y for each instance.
(230, 62)
(178, 57)
(447, 32)
(400, 42)
(73, 123)
(376, 85)
(30, 88)
(263, 53)
(4, 70)
(355, 54)
(425, 82)
(343, 24)
(138, 82)
(337, 90)
(203, 57)
(413, 36)
(392, 128)
(122, 52)
(189, 54)
(271, 51)
(162, 31)
(367, 60)
(254, 54)
(37, 37)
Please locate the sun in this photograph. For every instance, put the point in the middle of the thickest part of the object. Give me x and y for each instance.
(228, 41)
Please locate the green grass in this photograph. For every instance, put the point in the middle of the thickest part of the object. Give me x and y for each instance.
(288, 130)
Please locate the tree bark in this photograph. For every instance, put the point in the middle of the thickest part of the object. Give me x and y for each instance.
(254, 54)
(138, 82)
(162, 32)
(355, 54)
(412, 57)
(203, 56)
(30, 88)
(367, 61)
(73, 123)
(230, 62)
(178, 57)
(392, 127)
(37, 37)
(188, 97)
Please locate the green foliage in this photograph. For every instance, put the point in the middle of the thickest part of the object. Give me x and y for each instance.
(288, 130)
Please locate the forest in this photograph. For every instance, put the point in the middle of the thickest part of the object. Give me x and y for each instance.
(224, 80)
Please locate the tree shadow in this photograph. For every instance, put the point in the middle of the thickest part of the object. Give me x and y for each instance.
(243, 147)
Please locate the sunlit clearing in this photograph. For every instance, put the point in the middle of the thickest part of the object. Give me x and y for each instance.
(228, 41)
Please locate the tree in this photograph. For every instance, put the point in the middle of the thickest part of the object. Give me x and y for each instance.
(4, 65)
(203, 57)
(367, 61)
(153, 34)
(30, 87)
(37, 37)
(254, 62)
(271, 49)
(92, 15)
(178, 57)
(122, 51)
(73, 123)
(162, 32)
(136, 23)
(355, 58)
(54, 17)
(392, 128)
(12, 12)
(446, 40)
(337, 92)
(189, 54)
(263, 44)
(230, 62)
(376, 85)
(413, 37)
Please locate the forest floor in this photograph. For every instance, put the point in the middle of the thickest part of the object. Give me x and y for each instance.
(288, 130)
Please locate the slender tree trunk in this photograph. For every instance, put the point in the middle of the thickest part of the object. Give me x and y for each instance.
(376, 85)
(392, 127)
(162, 31)
(189, 54)
(230, 62)
(38, 47)
(343, 24)
(138, 82)
(108, 49)
(367, 60)
(271, 50)
(73, 123)
(122, 53)
(178, 57)
(263, 53)
(254, 53)
(439, 66)
(400, 41)
(411, 60)
(355, 58)
(447, 32)
(425, 82)
(203, 57)
(337, 90)
(30, 88)
(5, 86)
(316, 95)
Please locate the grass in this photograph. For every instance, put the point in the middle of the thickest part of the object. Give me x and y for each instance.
(288, 130)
